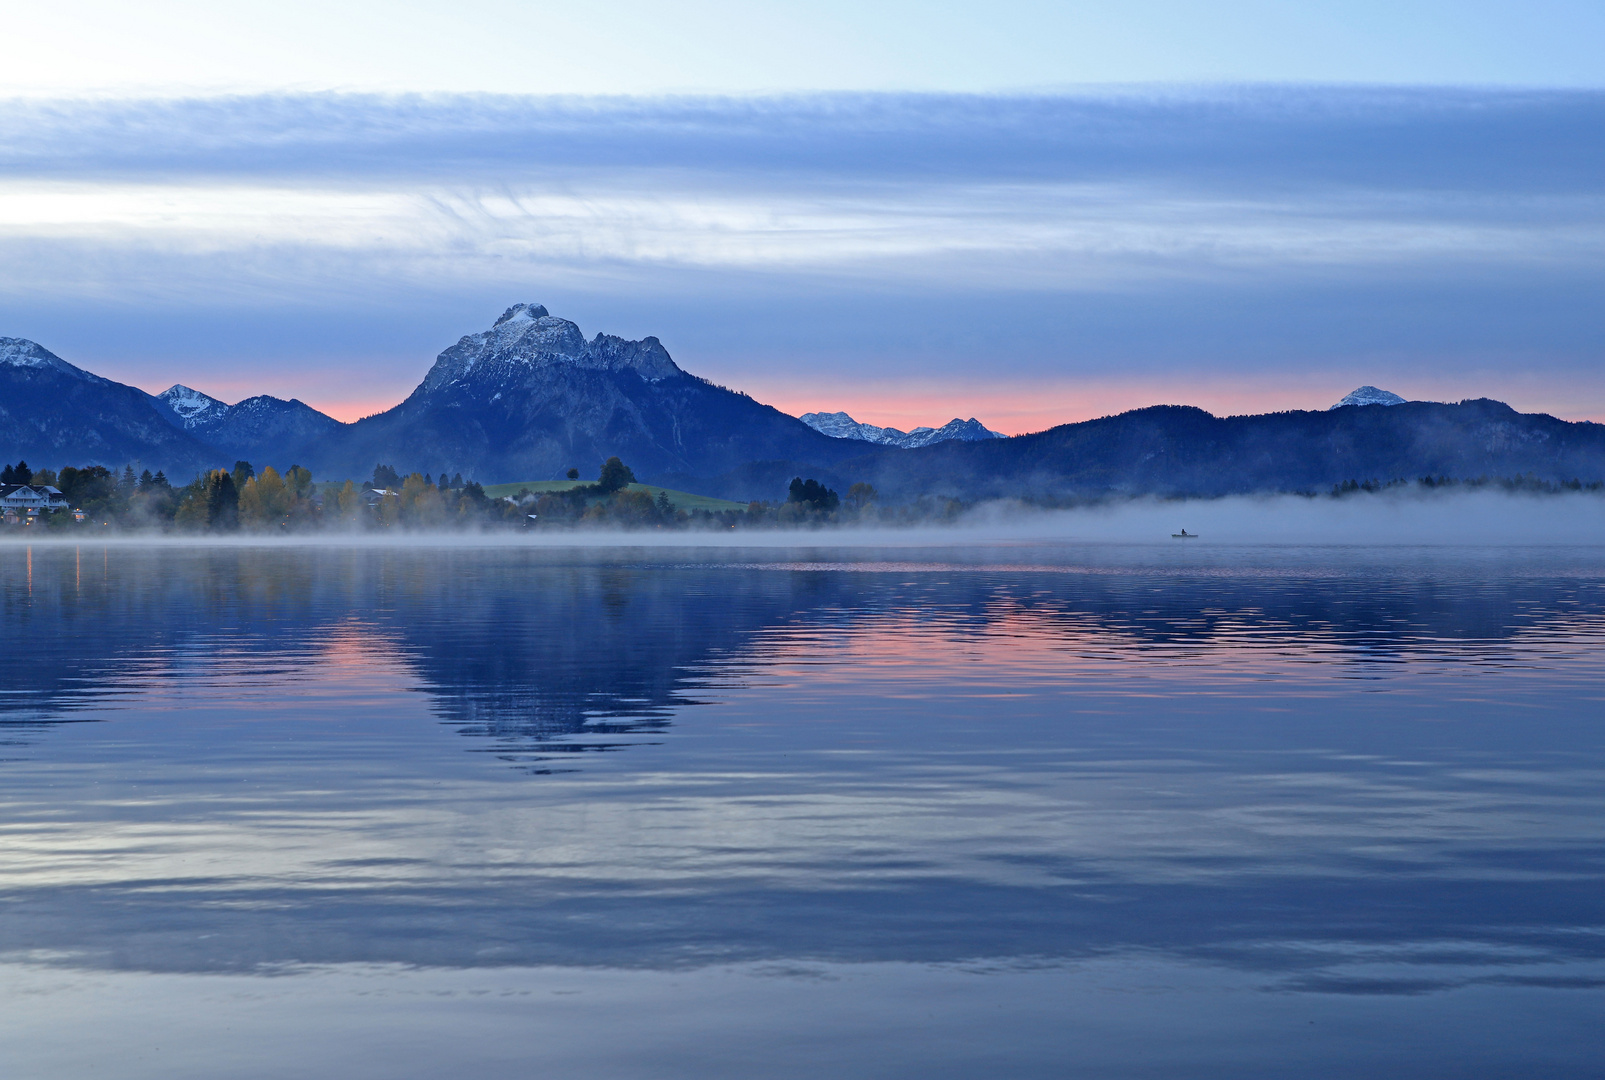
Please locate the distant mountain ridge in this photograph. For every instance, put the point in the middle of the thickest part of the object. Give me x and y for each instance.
(1180, 450)
(1369, 395)
(531, 397)
(55, 413)
(838, 425)
(255, 428)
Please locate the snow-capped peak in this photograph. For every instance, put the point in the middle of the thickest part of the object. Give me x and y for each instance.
(838, 425)
(192, 406)
(22, 353)
(523, 313)
(1369, 395)
(527, 335)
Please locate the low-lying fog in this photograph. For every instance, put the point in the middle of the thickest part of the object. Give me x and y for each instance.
(1413, 518)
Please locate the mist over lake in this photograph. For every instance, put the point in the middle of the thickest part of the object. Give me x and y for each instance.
(829, 541)
(994, 804)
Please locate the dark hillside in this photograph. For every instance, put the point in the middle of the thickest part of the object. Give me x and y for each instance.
(1181, 450)
(54, 414)
(531, 397)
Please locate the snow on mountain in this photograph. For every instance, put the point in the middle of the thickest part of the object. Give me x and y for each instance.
(192, 407)
(54, 412)
(528, 336)
(1369, 395)
(838, 425)
(22, 353)
(531, 397)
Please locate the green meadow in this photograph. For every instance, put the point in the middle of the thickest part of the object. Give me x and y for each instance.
(682, 500)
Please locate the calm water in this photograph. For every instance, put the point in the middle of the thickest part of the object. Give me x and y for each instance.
(973, 812)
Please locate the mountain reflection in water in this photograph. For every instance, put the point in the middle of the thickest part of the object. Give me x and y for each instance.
(1330, 772)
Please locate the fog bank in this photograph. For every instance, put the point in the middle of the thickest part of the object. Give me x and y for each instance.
(1449, 519)
(1410, 517)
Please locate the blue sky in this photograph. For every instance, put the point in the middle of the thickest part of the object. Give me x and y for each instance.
(1030, 213)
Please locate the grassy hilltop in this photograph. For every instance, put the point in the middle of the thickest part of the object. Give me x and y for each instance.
(682, 500)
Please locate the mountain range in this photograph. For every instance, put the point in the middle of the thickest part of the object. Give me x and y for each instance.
(531, 397)
(1182, 450)
(838, 425)
(59, 414)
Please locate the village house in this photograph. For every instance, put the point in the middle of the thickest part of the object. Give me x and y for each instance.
(18, 501)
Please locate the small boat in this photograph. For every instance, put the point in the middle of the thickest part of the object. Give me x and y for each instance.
(1184, 535)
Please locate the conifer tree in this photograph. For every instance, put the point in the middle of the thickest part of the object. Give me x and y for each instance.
(222, 500)
(299, 482)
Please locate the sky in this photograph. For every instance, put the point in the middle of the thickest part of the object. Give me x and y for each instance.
(1031, 213)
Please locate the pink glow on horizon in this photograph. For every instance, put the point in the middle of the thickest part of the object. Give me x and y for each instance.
(1012, 406)
(1017, 408)
(349, 411)
(338, 398)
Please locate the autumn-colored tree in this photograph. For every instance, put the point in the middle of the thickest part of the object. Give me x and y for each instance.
(389, 510)
(265, 501)
(421, 504)
(349, 502)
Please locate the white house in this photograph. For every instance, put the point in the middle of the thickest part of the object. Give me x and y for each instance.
(31, 497)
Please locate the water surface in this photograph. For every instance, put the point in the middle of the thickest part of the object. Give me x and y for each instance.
(1025, 810)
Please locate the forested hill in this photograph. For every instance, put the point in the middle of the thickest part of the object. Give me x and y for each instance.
(1181, 450)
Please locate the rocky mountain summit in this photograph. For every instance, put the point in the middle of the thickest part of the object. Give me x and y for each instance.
(193, 408)
(528, 337)
(56, 413)
(1369, 395)
(260, 426)
(257, 427)
(838, 425)
(531, 397)
(22, 353)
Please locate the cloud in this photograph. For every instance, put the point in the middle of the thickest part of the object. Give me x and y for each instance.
(893, 235)
(896, 191)
(1269, 137)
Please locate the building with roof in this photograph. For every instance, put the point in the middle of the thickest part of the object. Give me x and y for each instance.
(31, 498)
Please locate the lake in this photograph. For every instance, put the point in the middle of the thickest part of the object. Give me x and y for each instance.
(977, 810)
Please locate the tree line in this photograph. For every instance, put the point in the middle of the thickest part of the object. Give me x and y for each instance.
(246, 499)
